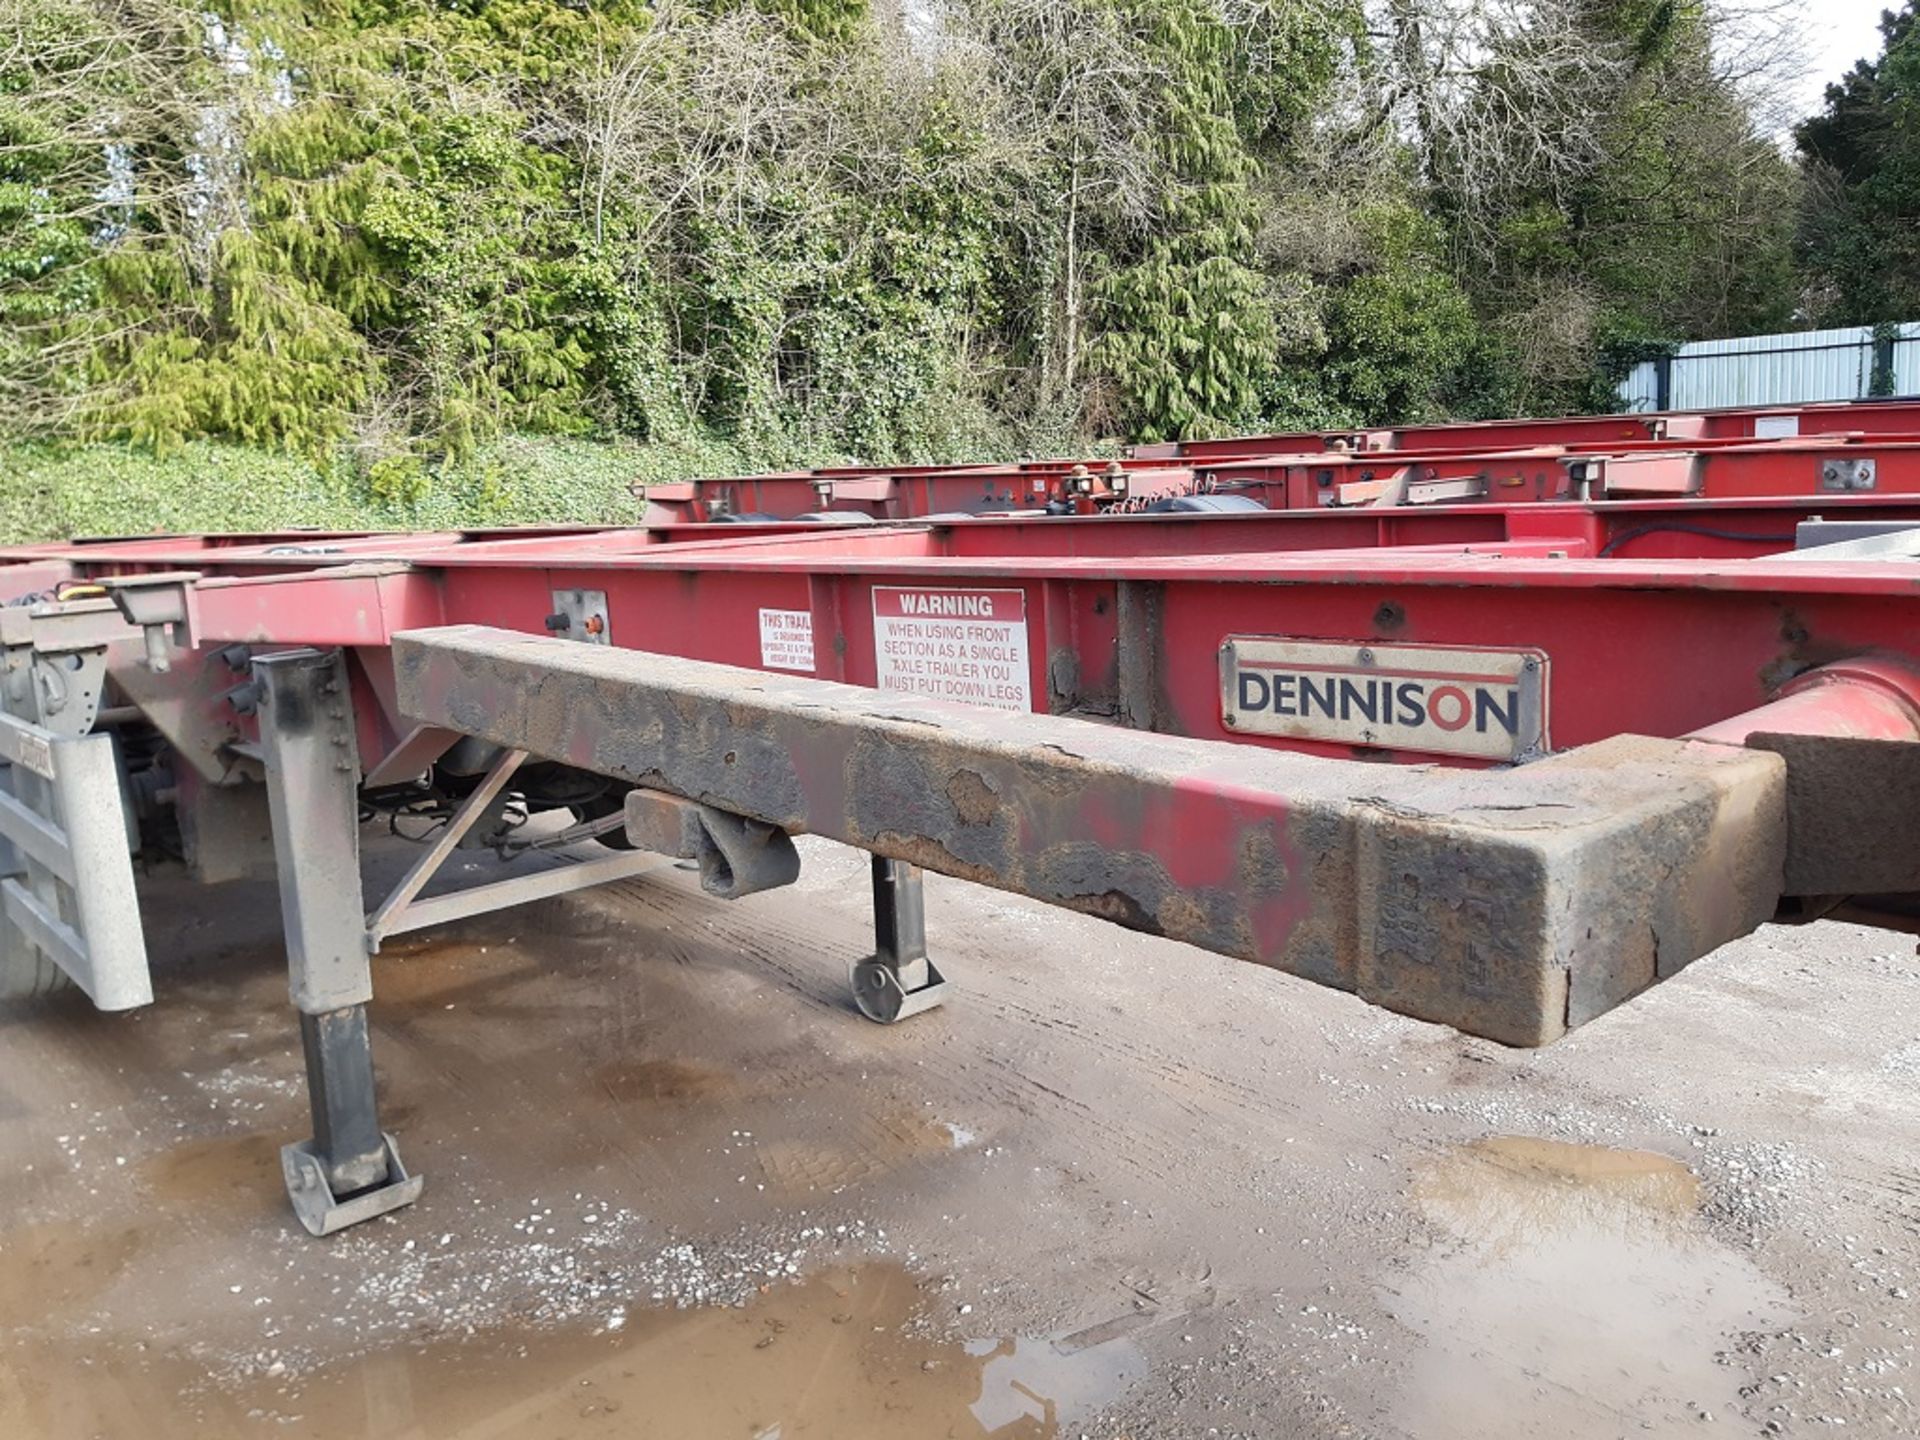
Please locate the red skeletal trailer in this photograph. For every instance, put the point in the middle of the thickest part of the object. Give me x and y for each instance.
(1499, 759)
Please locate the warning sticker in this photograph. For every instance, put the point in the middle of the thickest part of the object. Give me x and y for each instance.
(967, 645)
(786, 640)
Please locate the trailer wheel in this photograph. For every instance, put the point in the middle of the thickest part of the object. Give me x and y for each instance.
(26, 974)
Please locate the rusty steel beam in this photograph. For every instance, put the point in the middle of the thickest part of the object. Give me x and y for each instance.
(1511, 904)
(1850, 735)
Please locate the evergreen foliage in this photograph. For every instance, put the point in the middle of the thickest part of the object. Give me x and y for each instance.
(1861, 239)
(382, 236)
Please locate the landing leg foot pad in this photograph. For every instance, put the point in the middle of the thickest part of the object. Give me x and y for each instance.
(321, 1211)
(887, 994)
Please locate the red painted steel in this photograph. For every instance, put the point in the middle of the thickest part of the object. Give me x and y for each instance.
(1658, 646)
(1870, 698)
(1882, 417)
(1510, 460)
(1655, 616)
(1553, 617)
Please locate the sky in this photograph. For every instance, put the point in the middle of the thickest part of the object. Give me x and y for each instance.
(1838, 32)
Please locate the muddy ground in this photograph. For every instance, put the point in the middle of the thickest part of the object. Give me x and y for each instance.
(676, 1187)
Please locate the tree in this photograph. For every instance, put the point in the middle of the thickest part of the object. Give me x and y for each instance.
(1599, 177)
(134, 297)
(400, 229)
(1860, 234)
(1081, 101)
(1503, 101)
(1191, 332)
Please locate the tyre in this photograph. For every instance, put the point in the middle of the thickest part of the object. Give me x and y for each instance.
(26, 974)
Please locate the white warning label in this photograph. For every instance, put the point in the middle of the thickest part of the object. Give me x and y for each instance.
(786, 640)
(967, 645)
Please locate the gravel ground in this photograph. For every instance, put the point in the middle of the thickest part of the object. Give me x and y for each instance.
(1114, 1187)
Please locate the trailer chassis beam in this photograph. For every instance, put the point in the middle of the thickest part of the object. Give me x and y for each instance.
(1511, 904)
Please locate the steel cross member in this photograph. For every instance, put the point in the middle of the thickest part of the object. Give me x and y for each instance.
(1511, 904)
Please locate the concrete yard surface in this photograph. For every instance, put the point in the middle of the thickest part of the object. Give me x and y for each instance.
(1114, 1187)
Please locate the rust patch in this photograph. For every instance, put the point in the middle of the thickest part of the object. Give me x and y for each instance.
(1063, 678)
(1800, 652)
(1117, 906)
(1144, 703)
(973, 798)
(932, 855)
(1182, 915)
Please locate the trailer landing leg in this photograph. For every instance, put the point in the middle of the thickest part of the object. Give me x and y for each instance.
(350, 1171)
(897, 980)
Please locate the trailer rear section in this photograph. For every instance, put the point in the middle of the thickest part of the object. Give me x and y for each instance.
(1497, 765)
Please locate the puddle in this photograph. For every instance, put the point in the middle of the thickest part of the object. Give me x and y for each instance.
(664, 1080)
(54, 1271)
(226, 1172)
(1576, 1292)
(863, 1148)
(831, 1358)
(1047, 1382)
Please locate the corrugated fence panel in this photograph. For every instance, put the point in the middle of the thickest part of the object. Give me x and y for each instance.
(1772, 370)
(1641, 389)
(1906, 361)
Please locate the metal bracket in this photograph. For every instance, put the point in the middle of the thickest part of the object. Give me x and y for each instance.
(1847, 475)
(65, 687)
(737, 856)
(1601, 477)
(161, 605)
(321, 1211)
(1819, 539)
